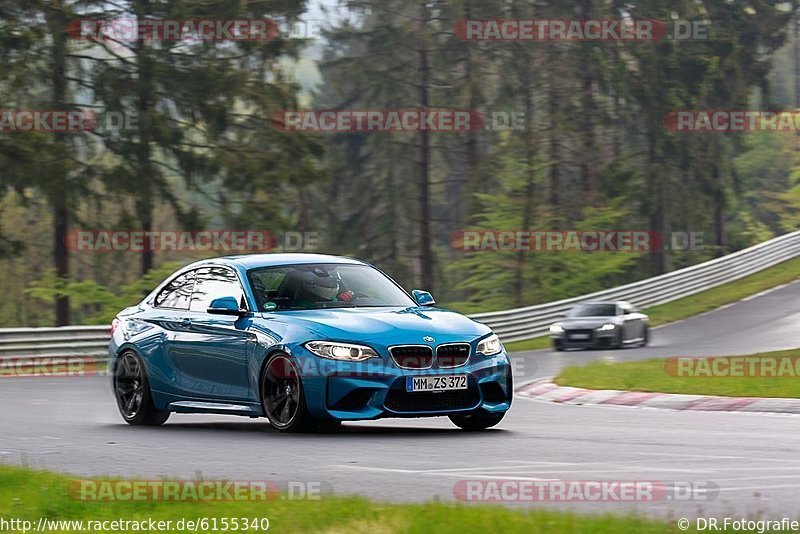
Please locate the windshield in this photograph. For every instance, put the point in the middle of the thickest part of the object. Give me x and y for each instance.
(317, 286)
(593, 310)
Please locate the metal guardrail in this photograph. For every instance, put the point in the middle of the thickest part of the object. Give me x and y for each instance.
(54, 342)
(511, 325)
(533, 321)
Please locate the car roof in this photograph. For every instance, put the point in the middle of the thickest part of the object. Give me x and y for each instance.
(255, 261)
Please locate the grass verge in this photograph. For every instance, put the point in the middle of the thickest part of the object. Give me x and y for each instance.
(661, 375)
(29, 495)
(701, 302)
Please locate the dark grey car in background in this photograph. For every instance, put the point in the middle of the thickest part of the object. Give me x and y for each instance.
(601, 325)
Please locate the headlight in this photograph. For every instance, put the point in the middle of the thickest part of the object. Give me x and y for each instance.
(606, 327)
(341, 351)
(490, 346)
(556, 329)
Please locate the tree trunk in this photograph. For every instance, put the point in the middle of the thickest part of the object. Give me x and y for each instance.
(471, 145)
(555, 152)
(797, 68)
(423, 183)
(530, 188)
(144, 201)
(719, 211)
(657, 188)
(589, 150)
(56, 21)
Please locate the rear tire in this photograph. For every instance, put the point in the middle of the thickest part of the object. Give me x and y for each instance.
(132, 391)
(477, 420)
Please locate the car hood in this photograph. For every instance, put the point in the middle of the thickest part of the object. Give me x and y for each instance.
(391, 325)
(586, 322)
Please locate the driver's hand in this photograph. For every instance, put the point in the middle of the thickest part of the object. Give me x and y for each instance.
(346, 296)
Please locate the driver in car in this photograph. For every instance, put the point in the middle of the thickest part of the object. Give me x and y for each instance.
(320, 287)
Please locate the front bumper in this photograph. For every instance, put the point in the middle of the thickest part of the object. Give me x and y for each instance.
(348, 391)
(585, 338)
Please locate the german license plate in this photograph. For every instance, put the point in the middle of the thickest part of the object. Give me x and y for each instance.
(436, 383)
(579, 336)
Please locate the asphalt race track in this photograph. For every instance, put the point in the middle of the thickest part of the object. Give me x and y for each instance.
(72, 425)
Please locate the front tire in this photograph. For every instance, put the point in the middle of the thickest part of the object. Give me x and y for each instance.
(132, 390)
(477, 420)
(645, 337)
(619, 340)
(282, 396)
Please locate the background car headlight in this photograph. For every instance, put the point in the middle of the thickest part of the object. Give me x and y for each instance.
(556, 329)
(341, 351)
(490, 346)
(606, 327)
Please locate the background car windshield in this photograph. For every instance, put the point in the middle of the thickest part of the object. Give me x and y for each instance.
(303, 287)
(593, 310)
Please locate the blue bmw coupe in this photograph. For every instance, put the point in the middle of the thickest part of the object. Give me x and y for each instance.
(307, 341)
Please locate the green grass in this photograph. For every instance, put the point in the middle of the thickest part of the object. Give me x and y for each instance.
(28, 495)
(659, 375)
(701, 302)
(536, 343)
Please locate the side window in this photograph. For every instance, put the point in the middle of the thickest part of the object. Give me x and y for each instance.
(212, 283)
(177, 293)
(266, 284)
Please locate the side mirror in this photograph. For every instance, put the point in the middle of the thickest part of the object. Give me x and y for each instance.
(226, 306)
(423, 298)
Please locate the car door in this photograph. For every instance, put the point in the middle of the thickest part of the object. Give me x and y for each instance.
(210, 352)
(169, 309)
(632, 323)
(640, 320)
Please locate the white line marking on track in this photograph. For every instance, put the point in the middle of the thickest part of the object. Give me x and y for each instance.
(751, 488)
(751, 297)
(678, 455)
(435, 473)
(633, 469)
(769, 477)
(683, 456)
